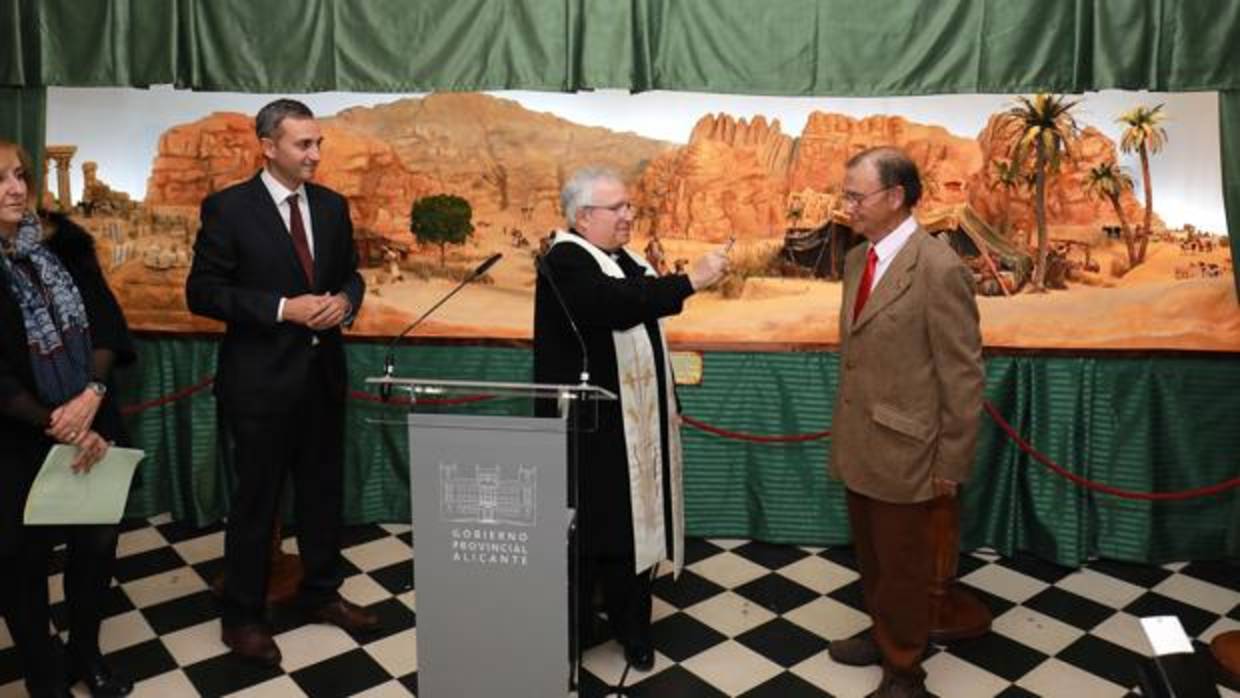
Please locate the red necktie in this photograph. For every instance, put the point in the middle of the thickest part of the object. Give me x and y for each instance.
(298, 230)
(867, 280)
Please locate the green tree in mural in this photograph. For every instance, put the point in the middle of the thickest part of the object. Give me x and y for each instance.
(442, 219)
(1042, 128)
(1144, 134)
(1109, 181)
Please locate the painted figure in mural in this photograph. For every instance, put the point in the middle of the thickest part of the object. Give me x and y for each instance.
(64, 332)
(275, 260)
(907, 408)
(629, 508)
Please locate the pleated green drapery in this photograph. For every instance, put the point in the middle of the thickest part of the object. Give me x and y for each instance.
(1142, 424)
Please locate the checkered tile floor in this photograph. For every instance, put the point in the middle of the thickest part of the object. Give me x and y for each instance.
(745, 619)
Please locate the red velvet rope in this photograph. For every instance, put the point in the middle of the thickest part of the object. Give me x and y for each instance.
(169, 398)
(755, 438)
(1008, 429)
(1099, 487)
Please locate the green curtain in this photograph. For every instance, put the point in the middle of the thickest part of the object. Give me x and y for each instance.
(1145, 424)
(23, 119)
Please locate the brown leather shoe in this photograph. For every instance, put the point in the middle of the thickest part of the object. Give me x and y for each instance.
(346, 616)
(252, 642)
(856, 651)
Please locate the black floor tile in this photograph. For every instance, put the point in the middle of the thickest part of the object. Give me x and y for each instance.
(178, 614)
(1035, 567)
(227, 674)
(142, 661)
(770, 555)
(1016, 692)
(999, 655)
(786, 685)
(10, 665)
(777, 593)
(178, 532)
(1218, 572)
(782, 642)
(115, 602)
(1195, 620)
(686, 591)
(1073, 609)
(680, 637)
(1142, 575)
(397, 577)
(997, 604)
(147, 563)
(394, 617)
(675, 682)
(362, 533)
(698, 549)
(851, 595)
(410, 681)
(1102, 658)
(843, 555)
(342, 675)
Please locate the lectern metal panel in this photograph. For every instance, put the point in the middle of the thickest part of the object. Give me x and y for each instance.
(490, 540)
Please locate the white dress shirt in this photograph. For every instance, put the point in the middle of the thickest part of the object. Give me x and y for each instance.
(887, 248)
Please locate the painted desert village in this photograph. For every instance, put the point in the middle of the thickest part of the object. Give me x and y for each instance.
(1064, 254)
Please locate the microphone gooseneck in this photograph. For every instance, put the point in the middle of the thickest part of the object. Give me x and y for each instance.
(389, 358)
(545, 272)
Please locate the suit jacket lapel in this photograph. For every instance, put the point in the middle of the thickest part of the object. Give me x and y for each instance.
(273, 226)
(895, 281)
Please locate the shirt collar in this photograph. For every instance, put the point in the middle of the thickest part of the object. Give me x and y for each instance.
(279, 192)
(890, 245)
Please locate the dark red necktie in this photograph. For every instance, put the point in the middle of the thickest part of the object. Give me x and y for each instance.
(867, 280)
(298, 230)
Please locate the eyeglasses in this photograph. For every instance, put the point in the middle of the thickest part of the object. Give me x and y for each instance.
(853, 198)
(614, 208)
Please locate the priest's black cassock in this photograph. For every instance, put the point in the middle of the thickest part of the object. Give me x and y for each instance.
(602, 305)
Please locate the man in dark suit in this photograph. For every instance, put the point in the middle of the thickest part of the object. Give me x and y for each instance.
(907, 410)
(275, 261)
(629, 507)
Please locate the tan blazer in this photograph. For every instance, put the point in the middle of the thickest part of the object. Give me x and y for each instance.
(911, 380)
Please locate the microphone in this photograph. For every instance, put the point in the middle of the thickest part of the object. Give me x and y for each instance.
(545, 272)
(389, 359)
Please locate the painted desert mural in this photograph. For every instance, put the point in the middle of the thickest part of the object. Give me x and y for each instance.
(1067, 247)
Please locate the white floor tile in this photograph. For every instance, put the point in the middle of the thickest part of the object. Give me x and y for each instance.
(1104, 589)
(312, 643)
(1199, 593)
(279, 687)
(378, 553)
(166, 685)
(195, 643)
(728, 570)
(124, 630)
(730, 613)
(948, 675)
(829, 618)
(837, 679)
(158, 588)
(1004, 583)
(139, 540)
(1037, 630)
(1124, 630)
(397, 654)
(732, 667)
(1057, 678)
(821, 575)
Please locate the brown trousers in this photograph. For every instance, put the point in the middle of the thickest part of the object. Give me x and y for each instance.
(896, 557)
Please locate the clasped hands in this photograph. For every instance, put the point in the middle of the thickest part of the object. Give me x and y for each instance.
(71, 424)
(318, 312)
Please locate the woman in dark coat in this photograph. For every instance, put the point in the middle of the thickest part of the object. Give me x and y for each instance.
(61, 332)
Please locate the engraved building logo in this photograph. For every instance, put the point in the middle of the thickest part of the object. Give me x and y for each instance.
(491, 495)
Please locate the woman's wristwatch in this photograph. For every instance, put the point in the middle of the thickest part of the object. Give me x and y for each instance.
(97, 387)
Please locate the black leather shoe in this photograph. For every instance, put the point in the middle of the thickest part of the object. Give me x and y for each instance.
(99, 679)
(253, 643)
(640, 656)
(347, 616)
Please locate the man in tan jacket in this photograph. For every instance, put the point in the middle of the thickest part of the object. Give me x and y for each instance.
(907, 409)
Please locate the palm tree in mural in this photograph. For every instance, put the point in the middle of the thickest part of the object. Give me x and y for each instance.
(1008, 179)
(1042, 128)
(1144, 134)
(1109, 181)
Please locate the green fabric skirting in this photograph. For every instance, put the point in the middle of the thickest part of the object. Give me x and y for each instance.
(1144, 424)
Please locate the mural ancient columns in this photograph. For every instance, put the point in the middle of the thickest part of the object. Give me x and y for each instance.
(62, 155)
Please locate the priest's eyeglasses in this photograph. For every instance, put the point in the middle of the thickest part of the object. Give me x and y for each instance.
(617, 208)
(856, 198)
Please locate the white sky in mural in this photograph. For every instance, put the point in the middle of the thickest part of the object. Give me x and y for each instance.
(119, 128)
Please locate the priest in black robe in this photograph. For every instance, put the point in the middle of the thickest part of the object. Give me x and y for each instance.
(630, 509)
